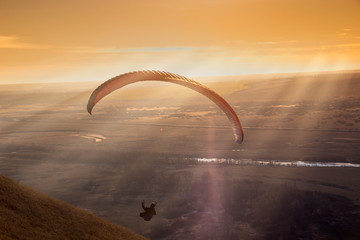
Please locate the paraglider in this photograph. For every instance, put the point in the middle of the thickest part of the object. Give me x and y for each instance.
(137, 76)
(149, 212)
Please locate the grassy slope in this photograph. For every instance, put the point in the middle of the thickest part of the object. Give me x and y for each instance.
(28, 214)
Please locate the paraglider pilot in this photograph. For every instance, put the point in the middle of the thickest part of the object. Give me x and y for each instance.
(149, 212)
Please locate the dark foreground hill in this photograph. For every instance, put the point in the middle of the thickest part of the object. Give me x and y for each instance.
(28, 214)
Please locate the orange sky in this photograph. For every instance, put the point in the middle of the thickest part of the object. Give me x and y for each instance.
(86, 40)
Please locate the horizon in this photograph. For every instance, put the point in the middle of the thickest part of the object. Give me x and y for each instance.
(207, 79)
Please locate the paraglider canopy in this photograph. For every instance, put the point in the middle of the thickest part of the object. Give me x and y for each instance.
(137, 76)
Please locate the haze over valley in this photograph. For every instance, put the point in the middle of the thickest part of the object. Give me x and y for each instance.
(160, 146)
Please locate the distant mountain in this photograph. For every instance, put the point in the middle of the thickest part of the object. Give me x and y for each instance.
(240, 88)
(27, 214)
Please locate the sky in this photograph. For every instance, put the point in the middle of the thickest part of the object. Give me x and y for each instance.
(94, 40)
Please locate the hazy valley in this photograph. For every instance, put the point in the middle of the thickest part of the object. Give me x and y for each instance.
(148, 146)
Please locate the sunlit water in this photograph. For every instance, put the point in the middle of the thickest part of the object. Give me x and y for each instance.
(275, 163)
(96, 137)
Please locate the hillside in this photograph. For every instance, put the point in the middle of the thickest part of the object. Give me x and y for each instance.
(28, 214)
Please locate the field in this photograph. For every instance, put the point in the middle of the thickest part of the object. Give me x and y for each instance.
(149, 146)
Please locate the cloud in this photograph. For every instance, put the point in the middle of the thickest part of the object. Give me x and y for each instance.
(301, 49)
(130, 50)
(345, 32)
(347, 45)
(163, 49)
(276, 42)
(348, 33)
(235, 42)
(320, 48)
(13, 42)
